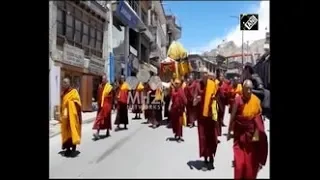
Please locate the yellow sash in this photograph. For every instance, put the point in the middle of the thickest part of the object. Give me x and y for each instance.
(106, 90)
(210, 91)
(70, 124)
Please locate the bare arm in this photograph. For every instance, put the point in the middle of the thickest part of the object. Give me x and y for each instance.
(232, 116)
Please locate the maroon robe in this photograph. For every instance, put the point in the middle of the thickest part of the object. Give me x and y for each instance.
(208, 139)
(103, 119)
(248, 154)
(222, 96)
(192, 91)
(137, 105)
(179, 102)
(147, 111)
(122, 107)
(99, 96)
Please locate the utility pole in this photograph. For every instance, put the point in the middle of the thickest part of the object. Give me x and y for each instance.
(242, 40)
(242, 47)
(109, 56)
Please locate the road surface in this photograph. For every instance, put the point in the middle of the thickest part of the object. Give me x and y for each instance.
(142, 152)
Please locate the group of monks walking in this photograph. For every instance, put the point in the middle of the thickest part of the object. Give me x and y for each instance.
(187, 101)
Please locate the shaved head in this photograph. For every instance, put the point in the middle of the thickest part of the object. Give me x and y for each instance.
(66, 83)
(248, 83)
(247, 88)
(104, 79)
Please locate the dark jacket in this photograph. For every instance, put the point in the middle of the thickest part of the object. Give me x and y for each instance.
(262, 93)
(258, 88)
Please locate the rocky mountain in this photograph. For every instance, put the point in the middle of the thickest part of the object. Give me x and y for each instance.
(230, 48)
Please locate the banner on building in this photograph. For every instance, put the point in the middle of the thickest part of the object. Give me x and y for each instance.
(73, 56)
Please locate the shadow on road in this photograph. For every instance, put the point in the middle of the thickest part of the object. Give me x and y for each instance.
(171, 139)
(72, 155)
(199, 165)
(120, 129)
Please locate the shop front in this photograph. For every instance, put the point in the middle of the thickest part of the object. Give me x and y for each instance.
(96, 71)
(84, 74)
(127, 19)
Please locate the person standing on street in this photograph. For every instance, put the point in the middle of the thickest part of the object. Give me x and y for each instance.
(208, 139)
(105, 103)
(155, 107)
(122, 109)
(136, 106)
(222, 98)
(71, 118)
(258, 89)
(250, 146)
(236, 89)
(176, 109)
(191, 91)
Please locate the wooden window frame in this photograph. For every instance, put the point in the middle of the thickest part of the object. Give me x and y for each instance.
(98, 26)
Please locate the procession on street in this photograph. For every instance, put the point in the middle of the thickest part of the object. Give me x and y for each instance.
(192, 102)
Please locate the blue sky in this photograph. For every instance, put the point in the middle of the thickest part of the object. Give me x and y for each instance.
(205, 24)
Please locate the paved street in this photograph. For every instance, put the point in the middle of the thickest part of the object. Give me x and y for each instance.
(141, 152)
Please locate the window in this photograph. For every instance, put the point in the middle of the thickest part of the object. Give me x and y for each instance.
(92, 37)
(79, 28)
(78, 13)
(78, 31)
(78, 25)
(70, 9)
(100, 26)
(99, 44)
(99, 40)
(85, 34)
(60, 15)
(60, 22)
(77, 37)
(69, 33)
(93, 23)
(60, 29)
(69, 20)
(99, 35)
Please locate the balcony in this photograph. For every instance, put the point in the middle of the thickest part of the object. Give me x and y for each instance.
(173, 27)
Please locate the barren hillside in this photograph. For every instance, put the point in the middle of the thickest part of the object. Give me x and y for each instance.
(230, 48)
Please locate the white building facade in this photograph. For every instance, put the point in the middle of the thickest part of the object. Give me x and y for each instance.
(78, 49)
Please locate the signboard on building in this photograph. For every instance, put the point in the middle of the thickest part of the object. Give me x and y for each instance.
(96, 65)
(126, 14)
(73, 56)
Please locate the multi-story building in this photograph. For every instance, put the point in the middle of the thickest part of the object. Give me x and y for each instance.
(131, 36)
(173, 29)
(158, 24)
(202, 64)
(77, 49)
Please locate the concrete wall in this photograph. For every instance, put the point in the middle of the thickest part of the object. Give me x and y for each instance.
(54, 71)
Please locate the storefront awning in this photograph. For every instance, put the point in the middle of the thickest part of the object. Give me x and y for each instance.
(128, 16)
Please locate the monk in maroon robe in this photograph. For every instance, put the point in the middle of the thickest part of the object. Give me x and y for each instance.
(177, 107)
(122, 106)
(155, 108)
(146, 91)
(222, 97)
(105, 102)
(136, 107)
(191, 91)
(208, 139)
(250, 146)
